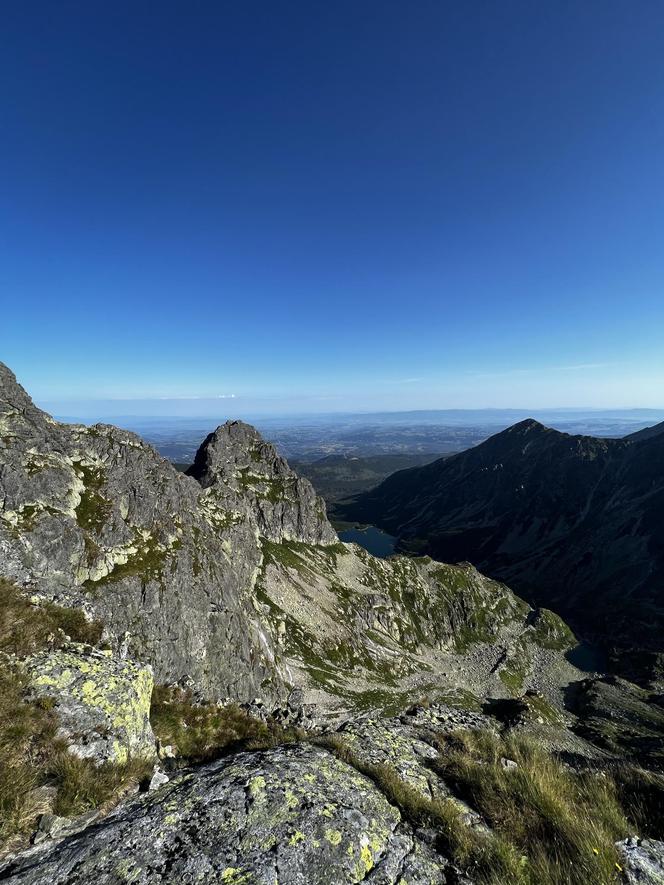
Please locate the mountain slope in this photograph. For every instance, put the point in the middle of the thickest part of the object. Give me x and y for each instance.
(647, 432)
(566, 520)
(232, 582)
(233, 579)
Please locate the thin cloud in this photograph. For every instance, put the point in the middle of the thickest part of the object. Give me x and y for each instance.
(581, 366)
(214, 396)
(540, 370)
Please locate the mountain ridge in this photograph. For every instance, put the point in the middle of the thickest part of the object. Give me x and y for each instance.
(561, 518)
(331, 690)
(239, 555)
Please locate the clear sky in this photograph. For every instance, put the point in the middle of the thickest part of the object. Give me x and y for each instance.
(334, 205)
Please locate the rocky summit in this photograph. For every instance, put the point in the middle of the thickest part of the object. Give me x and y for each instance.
(209, 686)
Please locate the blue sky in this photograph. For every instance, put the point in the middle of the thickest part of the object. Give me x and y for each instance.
(322, 206)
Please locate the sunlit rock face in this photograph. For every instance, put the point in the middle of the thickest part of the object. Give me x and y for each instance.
(102, 703)
(233, 579)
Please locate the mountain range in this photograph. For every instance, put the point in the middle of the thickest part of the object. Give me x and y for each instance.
(256, 702)
(572, 522)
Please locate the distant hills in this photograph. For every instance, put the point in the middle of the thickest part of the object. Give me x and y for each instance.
(573, 522)
(338, 476)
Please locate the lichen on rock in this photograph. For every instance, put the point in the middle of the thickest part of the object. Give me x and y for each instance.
(293, 815)
(102, 703)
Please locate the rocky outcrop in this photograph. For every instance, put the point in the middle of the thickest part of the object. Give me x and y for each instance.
(102, 704)
(642, 861)
(243, 473)
(94, 517)
(294, 815)
(360, 632)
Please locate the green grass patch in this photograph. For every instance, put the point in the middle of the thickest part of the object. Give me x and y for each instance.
(204, 731)
(551, 631)
(459, 699)
(93, 509)
(26, 628)
(562, 823)
(147, 563)
(81, 785)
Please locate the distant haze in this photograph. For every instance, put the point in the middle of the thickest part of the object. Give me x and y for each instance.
(434, 417)
(312, 436)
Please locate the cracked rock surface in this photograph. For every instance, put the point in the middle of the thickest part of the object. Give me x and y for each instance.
(297, 815)
(643, 861)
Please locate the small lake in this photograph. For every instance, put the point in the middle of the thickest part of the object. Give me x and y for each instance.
(373, 540)
(587, 658)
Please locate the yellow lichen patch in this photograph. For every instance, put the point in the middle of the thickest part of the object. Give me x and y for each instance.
(333, 837)
(111, 696)
(328, 810)
(257, 786)
(59, 680)
(365, 855)
(235, 876)
(127, 871)
(296, 837)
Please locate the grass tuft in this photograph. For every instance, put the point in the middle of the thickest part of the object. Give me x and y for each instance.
(26, 628)
(82, 785)
(204, 731)
(563, 823)
(37, 773)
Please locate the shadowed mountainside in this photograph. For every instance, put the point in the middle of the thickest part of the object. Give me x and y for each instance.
(572, 522)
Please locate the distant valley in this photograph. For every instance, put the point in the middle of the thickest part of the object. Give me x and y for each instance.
(312, 437)
(338, 476)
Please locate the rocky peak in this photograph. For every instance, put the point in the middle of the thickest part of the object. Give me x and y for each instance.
(230, 448)
(12, 395)
(525, 433)
(240, 469)
(17, 411)
(528, 425)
